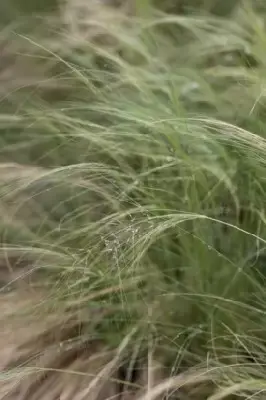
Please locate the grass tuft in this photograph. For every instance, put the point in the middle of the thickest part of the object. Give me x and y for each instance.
(132, 181)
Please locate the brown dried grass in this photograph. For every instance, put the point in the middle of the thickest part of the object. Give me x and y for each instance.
(49, 357)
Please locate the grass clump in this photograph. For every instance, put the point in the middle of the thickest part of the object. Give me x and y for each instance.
(133, 184)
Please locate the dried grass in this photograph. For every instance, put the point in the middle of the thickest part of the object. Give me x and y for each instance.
(41, 360)
(51, 357)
